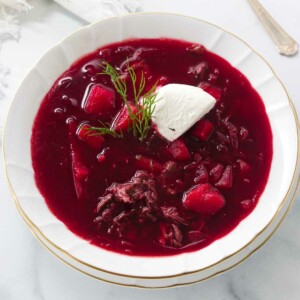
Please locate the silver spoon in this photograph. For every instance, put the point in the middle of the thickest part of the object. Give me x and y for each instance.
(284, 43)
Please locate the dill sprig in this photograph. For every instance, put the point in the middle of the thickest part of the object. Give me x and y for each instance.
(105, 130)
(144, 103)
(145, 113)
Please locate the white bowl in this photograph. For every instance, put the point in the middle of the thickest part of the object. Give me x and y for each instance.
(157, 271)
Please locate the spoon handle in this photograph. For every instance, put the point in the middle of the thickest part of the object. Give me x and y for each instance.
(284, 43)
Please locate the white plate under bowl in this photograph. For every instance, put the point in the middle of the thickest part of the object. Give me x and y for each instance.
(156, 271)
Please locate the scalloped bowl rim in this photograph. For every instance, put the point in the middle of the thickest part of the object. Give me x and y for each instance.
(60, 57)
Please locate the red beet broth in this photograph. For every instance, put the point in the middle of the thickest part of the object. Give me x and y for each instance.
(240, 139)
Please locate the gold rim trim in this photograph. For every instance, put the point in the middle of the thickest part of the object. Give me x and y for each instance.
(36, 229)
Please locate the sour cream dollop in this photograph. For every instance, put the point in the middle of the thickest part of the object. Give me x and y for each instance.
(178, 107)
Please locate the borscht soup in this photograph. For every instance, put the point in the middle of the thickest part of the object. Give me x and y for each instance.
(151, 147)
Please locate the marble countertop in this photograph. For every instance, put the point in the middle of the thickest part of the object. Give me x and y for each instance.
(28, 271)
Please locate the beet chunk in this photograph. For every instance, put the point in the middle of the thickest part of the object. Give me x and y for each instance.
(148, 164)
(91, 138)
(244, 166)
(122, 121)
(202, 130)
(226, 179)
(179, 150)
(80, 173)
(216, 172)
(99, 100)
(204, 199)
(201, 174)
(79, 170)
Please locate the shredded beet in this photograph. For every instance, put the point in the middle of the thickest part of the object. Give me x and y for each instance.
(137, 200)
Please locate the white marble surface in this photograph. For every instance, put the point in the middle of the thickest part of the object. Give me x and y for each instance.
(28, 271)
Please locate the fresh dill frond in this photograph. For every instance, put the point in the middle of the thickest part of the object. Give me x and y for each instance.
(144, 103)
(145, 112)
(136, 92)
(104, 130)
(118, 82)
